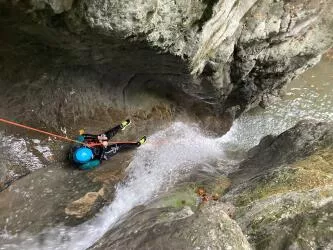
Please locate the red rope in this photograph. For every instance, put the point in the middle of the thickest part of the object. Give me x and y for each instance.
(57, 136)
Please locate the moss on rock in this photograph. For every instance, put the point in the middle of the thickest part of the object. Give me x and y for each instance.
(295, 219)
(314, 171)
(186, 194)
(182, 196)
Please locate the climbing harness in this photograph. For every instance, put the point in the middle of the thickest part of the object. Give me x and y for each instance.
(90, 144)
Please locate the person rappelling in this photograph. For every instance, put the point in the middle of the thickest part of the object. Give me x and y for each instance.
(95, 148)
(90, 150)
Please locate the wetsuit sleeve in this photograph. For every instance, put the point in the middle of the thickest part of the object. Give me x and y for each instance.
(90, 165)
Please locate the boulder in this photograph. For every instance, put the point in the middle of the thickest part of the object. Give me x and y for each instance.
(86, 205)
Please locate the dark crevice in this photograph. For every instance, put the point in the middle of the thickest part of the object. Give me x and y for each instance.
(207, 14)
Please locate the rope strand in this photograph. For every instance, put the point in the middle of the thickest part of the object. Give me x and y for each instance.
(58, 136)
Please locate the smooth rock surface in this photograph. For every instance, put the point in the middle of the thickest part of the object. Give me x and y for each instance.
(209, 227)
(39, 200)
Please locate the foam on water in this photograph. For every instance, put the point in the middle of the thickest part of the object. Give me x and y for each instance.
(169, 156)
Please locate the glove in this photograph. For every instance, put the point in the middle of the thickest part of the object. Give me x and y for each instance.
(102, 137)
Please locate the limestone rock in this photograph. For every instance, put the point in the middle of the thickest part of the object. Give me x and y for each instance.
(283, 192)
(38, 200)
(21, 156)
(227, 56)
(295, 220)
(195, 193)
(58, 6)
(177, 229)
(86, 205)
(315, 171)
(302, 140)
(242, 52)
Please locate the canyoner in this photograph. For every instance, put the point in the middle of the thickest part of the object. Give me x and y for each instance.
(93, 149)
(90, 150)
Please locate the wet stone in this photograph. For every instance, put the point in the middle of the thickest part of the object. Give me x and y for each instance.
(39, 199)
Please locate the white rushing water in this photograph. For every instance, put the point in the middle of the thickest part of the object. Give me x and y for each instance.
(169, 156)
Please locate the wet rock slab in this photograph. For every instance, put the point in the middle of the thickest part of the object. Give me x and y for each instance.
(58, 194)
(39, 199)
(21, 156)
(164, 228)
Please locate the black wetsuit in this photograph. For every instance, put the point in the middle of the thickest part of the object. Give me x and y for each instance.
(103, 153)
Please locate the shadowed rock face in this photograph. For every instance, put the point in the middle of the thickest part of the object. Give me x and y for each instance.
(222, 56)
(53, 76)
